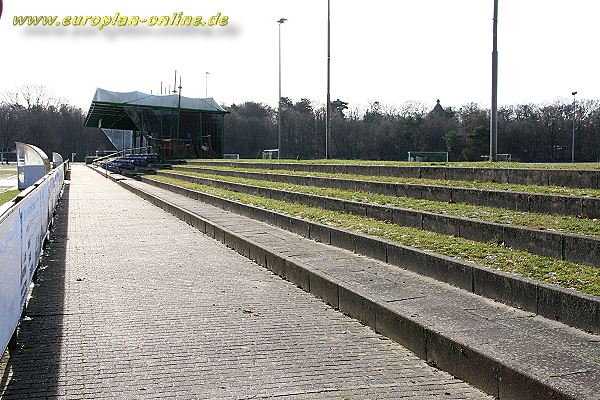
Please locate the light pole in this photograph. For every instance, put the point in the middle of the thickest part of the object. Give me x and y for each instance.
(494, 111)
(328, 108)
(573, 142)
(281, 21)
(179, 117)
(206, 83)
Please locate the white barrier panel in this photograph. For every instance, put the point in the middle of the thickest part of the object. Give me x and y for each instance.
(31, 244)
(22, 231)
(10, 276)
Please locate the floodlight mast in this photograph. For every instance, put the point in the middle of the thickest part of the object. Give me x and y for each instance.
(494, 111)
(328, 108)
(280, 22)
(573, 140)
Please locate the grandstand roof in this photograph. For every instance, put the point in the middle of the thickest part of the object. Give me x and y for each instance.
(107, 108)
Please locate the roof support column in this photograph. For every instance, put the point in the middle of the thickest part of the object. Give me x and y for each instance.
(222, 135)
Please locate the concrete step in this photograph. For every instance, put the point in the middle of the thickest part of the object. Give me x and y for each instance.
(578, 206)
(577, 178)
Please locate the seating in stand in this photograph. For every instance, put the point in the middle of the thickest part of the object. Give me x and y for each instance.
(129, 162)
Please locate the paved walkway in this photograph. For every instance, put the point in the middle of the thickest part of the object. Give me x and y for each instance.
(133, 303)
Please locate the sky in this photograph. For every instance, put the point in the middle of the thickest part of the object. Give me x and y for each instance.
(391, 51)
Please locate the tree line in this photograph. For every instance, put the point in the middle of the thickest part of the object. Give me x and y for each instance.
(529, 132)
(30, 114)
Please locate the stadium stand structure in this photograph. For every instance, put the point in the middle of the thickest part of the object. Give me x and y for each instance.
(174, 126)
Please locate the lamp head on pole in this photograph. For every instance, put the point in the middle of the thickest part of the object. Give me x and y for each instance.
(573, 93)
(282, 20)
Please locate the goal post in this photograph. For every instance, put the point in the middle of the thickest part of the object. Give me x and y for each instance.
(504, 157)
(428, 156)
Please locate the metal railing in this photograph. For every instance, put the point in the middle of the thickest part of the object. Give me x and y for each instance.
(128, 152)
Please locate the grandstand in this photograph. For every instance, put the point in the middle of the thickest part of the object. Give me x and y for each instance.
(173, 126)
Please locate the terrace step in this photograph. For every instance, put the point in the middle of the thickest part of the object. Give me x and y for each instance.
(576, 178)
(563, 246)
(504, 351)
(578, 206)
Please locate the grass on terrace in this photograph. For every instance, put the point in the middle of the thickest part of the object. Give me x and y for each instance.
(557, 190)
(574, 225)
(482, 164)
(7, 196)
(580, 277)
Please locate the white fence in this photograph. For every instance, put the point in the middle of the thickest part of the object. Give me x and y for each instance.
(23, 227)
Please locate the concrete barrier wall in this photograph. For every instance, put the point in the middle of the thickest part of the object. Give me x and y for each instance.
(577, 178)
(575, 309)
(587, 207)
(575, 248)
